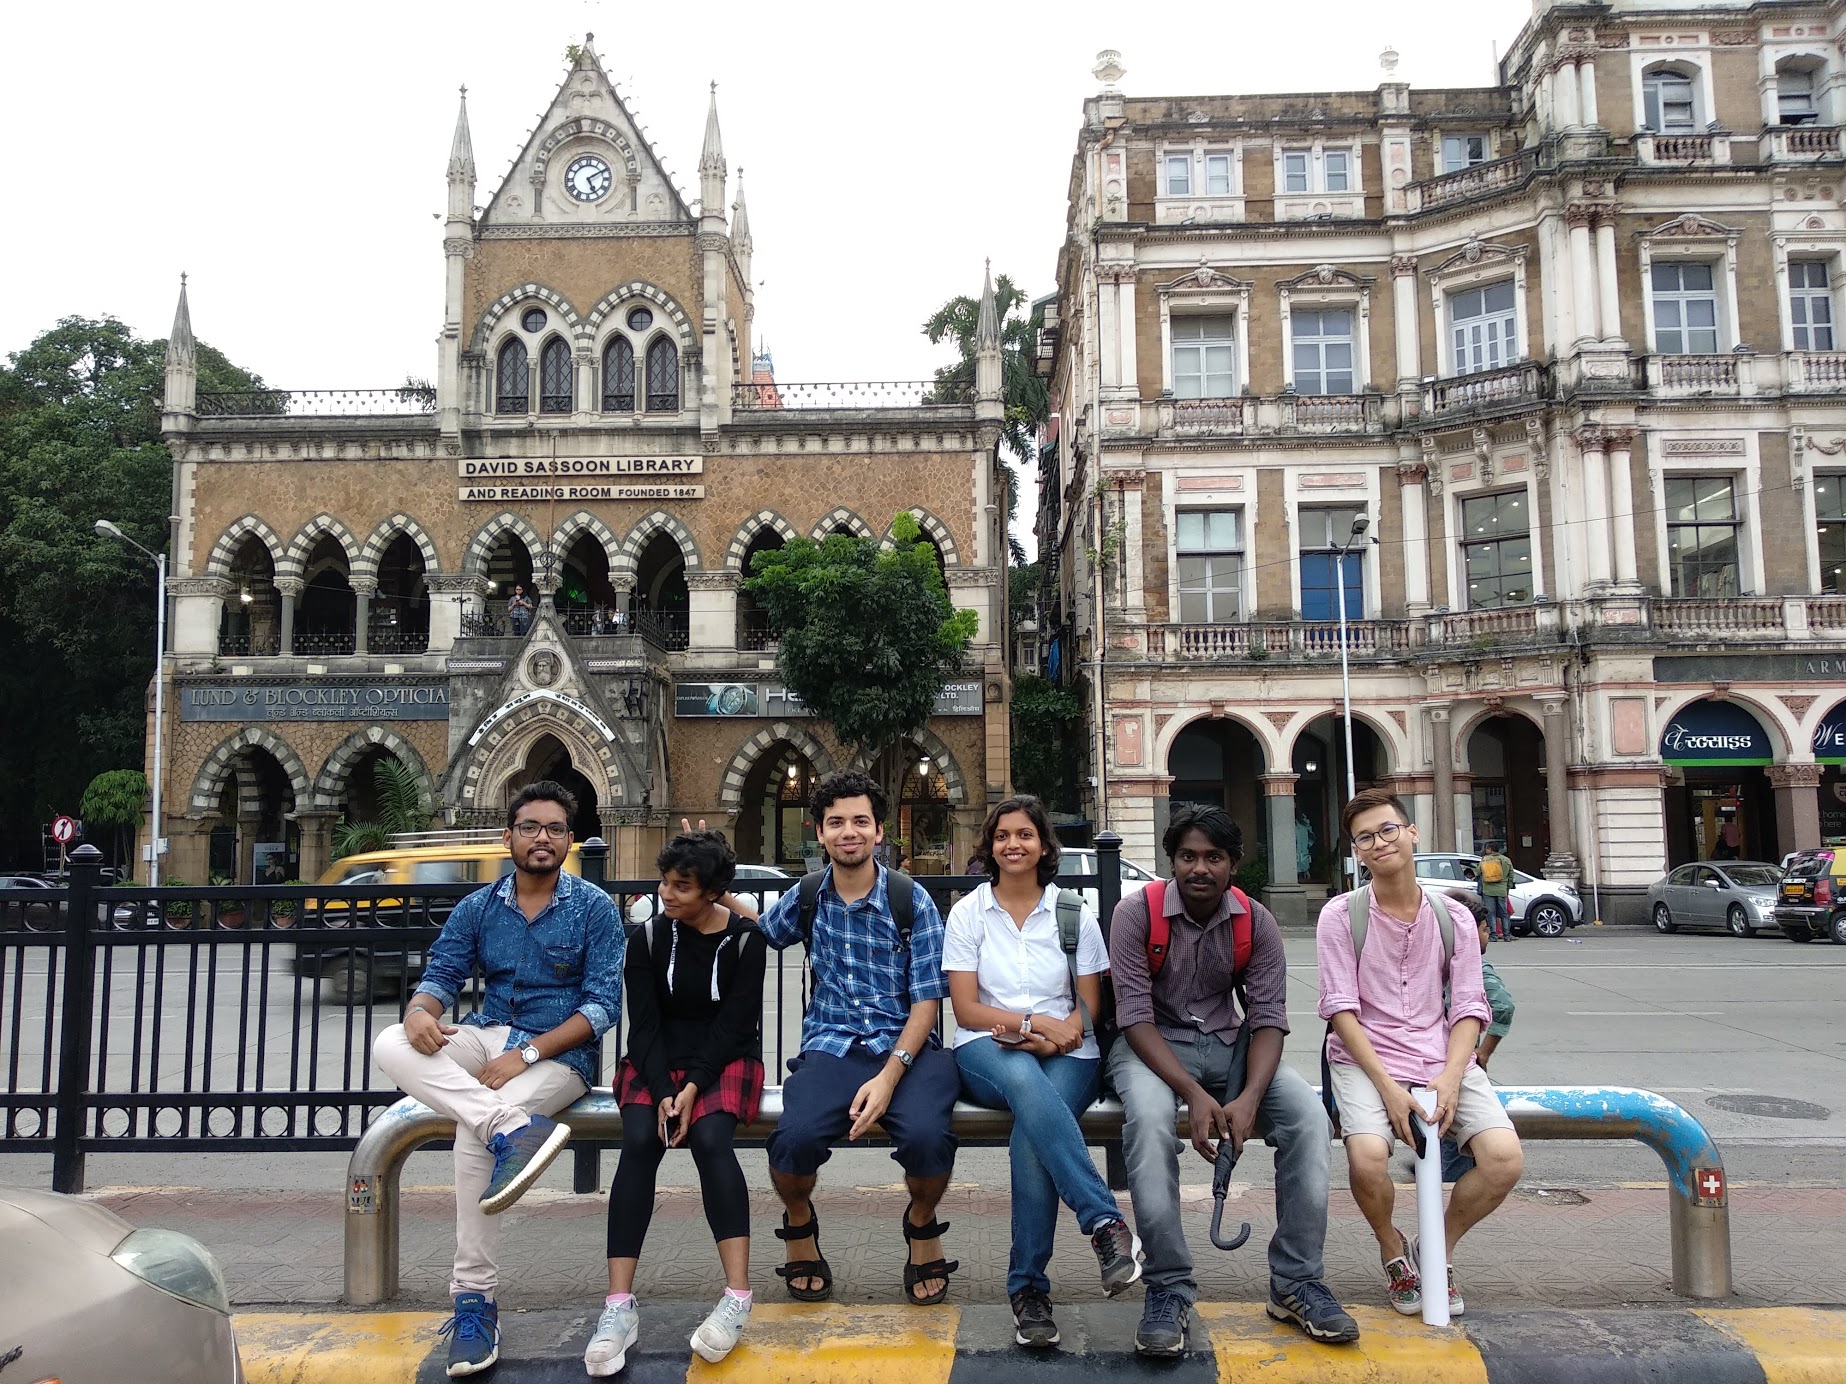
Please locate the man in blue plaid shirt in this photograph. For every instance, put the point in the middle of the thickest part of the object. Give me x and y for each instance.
(868, 1042)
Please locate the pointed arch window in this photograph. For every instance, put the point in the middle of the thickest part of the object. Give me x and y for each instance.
(619, 376)
(662, 376)
(554, 382)
(512, 378)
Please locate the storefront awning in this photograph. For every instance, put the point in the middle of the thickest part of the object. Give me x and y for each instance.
(1715, 733)
(1830, 737)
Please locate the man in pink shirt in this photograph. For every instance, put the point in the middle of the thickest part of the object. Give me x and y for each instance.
(1392, 1031)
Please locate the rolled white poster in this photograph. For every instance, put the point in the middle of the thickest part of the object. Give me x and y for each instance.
(1432, 1228)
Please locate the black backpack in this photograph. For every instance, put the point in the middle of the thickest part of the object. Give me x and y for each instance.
(898, 895)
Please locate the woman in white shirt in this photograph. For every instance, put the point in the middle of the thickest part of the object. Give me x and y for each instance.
(1021, 1046)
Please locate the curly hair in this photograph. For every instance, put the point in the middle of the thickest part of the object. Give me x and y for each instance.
(704, 855)
(846, 783)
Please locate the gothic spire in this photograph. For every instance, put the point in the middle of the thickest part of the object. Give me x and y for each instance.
(740, 215)
(181, 346)
(461, 151)
(712, 157)
(987, 331)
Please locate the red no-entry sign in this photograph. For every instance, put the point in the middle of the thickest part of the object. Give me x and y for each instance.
(64, 830)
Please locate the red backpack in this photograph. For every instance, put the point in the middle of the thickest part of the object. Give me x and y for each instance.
(1159, 931)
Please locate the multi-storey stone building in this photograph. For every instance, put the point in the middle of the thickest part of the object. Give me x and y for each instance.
(598, 435)
(1568, 344)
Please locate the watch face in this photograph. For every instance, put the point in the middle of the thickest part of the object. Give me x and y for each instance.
(587, 178)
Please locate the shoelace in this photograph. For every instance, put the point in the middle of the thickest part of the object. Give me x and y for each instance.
(1315, 1297)
(1166, 1307)
(466, 1326)
(1034, 1306)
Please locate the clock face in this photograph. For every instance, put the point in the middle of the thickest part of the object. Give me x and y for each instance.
(587, 178)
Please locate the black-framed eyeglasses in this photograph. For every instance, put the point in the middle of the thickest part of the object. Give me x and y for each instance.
(527, 831)
(1365, 840)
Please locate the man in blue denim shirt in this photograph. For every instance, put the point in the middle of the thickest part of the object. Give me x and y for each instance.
(868, 1042)
(552, 949)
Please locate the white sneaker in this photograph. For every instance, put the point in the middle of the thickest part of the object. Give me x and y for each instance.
(619, 1328)
(717, 1334)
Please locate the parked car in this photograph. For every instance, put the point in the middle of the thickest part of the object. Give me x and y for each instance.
(1811, 899)
(1542, 906)
(757, 885)
(24, 901)
(1081, 860)
(89, 1297)
(1736, 895)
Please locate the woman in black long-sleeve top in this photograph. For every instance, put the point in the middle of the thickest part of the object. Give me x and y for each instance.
(692, 1073)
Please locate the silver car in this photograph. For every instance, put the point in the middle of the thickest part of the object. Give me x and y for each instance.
(757, 885)
(1543, 906)
(1736, 895)
(1081, 860)
(87, 1297)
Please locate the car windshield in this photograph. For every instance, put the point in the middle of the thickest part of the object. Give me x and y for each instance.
(1810, 864)
(1753, 874)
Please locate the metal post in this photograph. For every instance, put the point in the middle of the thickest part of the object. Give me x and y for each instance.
(1108, 878)
(1339, 585)
(74, 1027)
(593, 856)
(160, 709)
(586, 1175)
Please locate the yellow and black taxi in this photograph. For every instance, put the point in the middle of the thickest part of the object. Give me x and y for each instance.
(1811, 899)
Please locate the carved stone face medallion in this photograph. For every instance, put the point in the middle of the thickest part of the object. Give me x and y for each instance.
(542, 668)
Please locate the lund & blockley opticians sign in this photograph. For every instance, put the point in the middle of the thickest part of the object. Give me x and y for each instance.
(499, 480)
(315, 699)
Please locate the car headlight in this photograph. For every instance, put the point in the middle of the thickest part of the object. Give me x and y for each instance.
(1765, 905)
(176, 1264)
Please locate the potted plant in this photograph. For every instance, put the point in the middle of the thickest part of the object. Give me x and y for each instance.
(178, 911)
(282, 911)
(230, 911)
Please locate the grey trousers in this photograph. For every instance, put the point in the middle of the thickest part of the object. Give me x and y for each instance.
(1290, 1119)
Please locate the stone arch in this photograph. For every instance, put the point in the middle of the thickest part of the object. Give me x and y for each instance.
(1395, 741)
(627, 559)
(478, 779)
(841, 517)
(1463, 729)
(740, 544)
(299, 548)
(1265, 735)
(330, 783)
(641, 290)
(487, 328)
(1774, 718)
(481, 546)
(382, 537)
(585, 522)
(934, 530)
(224, 551)
(946, 764)
(731, 789)
(221, 764)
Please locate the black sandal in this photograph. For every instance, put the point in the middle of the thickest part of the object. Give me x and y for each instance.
(915, 1274)
(817, 1267)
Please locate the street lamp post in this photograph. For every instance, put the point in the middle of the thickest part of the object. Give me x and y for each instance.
(1359, 525)
(109, 530)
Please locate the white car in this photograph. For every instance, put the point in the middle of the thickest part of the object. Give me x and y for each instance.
(1081, 860)
(1543, 906)
(757, 885)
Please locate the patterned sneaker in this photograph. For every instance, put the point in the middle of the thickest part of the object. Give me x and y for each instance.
(519, 1159)
(1118, 1251)
(619, 1328)
(1032, 1323)
(1164, 1317)
(474, 1335)
(717, 1334)
(1316, 1311)
(1456, 1305)
(1401, 1275)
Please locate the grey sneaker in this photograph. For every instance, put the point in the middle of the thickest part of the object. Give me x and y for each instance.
(619, 1328)
(1032, 1322)
(717, 1334)
(519, 1159)
(1164, 1317)
(1316, 1311)
(1118, 1253)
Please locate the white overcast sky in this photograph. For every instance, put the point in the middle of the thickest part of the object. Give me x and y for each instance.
(291, 158)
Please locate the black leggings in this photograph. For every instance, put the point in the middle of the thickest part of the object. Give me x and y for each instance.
(721, 1178)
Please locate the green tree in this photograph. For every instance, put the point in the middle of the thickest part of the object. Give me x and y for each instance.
(79, 441)
(401, 804)
(1047, 741)
(867, 637)
(115, 799)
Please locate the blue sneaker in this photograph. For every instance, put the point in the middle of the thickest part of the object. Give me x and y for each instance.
(1164, 1320)
(1316, 1311)
(519, 1159)
(474, 1335)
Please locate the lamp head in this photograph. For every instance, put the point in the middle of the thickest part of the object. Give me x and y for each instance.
(108, 530)
(1360, 524)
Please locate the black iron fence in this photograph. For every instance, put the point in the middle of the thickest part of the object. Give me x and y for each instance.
(235, 1018)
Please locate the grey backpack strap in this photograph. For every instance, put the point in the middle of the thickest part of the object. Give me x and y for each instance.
(1445, 923)
(1070, 927)
(1359, 917)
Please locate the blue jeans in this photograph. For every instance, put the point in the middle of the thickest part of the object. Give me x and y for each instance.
(1289, 1118)
(1499, 914)
(1050, 1160)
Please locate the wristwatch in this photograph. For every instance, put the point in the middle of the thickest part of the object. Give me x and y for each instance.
(1025, 1026)
(903, 1057)
(530, 1053)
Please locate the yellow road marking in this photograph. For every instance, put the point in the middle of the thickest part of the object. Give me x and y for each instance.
(830, 1343)
(1391, 1347)
(1794, 1345)
(339, 1347)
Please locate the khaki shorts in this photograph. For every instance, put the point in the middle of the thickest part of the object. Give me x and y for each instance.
(1362, 1108)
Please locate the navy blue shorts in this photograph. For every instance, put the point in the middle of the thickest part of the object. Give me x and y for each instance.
(817, 1100)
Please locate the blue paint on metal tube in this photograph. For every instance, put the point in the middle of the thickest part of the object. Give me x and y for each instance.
(1681, 1141)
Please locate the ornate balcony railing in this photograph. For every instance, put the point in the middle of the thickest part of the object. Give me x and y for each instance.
(320, 642)
(389, 640)
(1280, 639)
(1515, 384)
(1816, 371)
(411, 400)
(861, 394)
(1718, 615)
(1826, 612)
(665, 629)
(1734, 373)
(1476, 181)
(754, 631)
(1203, 417)
(1803, 143)
(1706, 148)
(244, 645)
(484, 625)
(1470, 626)
(1333, 413)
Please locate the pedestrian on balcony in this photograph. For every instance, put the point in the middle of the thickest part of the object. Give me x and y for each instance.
(1025, 961)
(692, 1074)
(551, 948)
(519, 610)
(1201, 995)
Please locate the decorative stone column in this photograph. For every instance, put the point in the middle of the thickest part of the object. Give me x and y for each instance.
(1565, 106)
(1582, 273)
(1561, 863)
(1285, 897)
(1404, 319)
(1412, 477)
(1442, 744)
(712, 602)
(1620, 443)
(1591, 117)
(1797, 804)
(1608, 288)
(449, 595)
(316, 842)
(1595, 507)
(364, 588)
(289, 589)
(198, 614)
